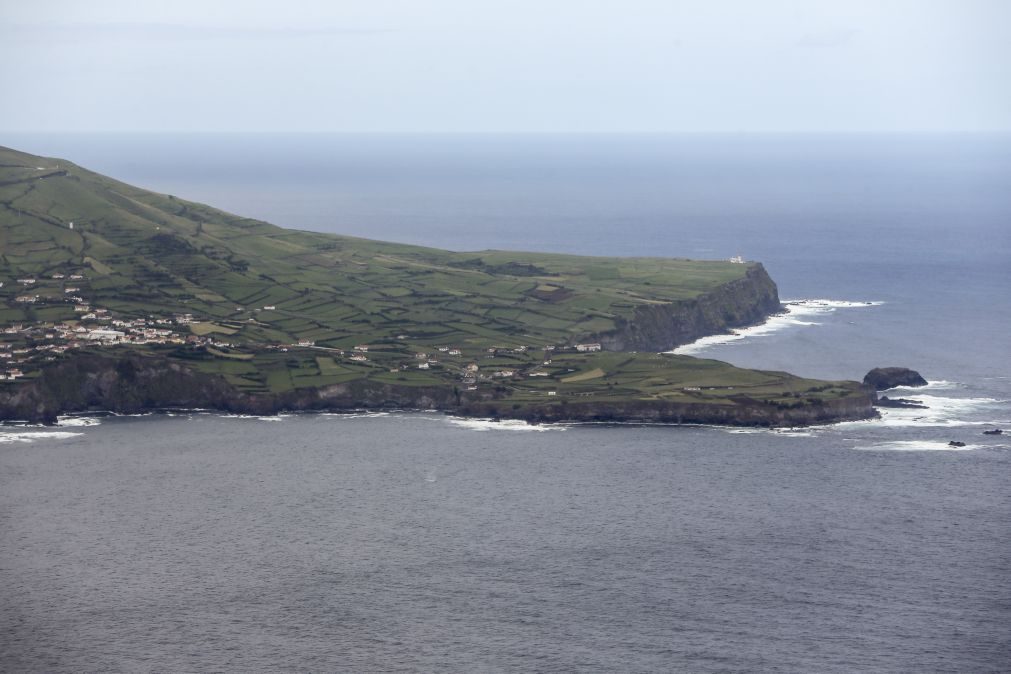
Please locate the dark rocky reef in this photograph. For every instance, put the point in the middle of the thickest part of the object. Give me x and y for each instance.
(129, 383)
(883, 378)
(906, 403)
(662, 327)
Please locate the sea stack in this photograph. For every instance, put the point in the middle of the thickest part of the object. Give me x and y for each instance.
(883, 378)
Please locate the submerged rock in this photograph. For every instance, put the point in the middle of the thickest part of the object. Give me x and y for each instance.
(885, 401)
(956, 443)
(882, 378)
(995, 431)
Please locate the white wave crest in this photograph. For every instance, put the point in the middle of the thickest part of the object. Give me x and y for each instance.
(795, 312)
(937, 385)
(941, 411)
(503, 425)
(358, 415)
(64, 422)
(277, 417)
(33, 436)
(915, 446)
(944, 411)
(754, 430)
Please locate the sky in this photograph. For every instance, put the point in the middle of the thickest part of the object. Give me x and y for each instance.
(509, 66)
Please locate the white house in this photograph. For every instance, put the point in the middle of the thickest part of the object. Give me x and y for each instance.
(583, 348)
(106, 335)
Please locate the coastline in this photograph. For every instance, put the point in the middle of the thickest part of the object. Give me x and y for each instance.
(132, 385)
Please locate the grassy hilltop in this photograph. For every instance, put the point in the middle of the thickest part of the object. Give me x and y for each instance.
(273, 310)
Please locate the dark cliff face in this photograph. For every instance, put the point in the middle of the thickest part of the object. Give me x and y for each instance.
(662, 327)
(129, 383)
(125, 384)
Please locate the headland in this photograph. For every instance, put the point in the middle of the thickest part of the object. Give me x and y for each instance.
(121, 299)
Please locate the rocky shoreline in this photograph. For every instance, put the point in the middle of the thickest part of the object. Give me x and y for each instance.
(132, 384)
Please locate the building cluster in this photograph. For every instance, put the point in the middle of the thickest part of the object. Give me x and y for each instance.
(27, 343)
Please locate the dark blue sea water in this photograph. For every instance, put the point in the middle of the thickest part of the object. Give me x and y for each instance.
(419, 542)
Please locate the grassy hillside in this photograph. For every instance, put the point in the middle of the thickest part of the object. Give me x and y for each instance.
(275, 310)
(141, 250)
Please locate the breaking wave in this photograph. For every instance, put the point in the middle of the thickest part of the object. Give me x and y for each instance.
(915, 446)
(947, 411)
(34, 436)
(503, 425)
(797, 313)
(65, 422)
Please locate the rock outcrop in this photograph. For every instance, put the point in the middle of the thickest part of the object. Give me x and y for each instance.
(901, 403)
(883, 378)
(662, 327)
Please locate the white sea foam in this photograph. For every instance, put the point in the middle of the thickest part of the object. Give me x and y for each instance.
(913, 391)
(355, 415)
(945, 411)
(63, 422)
(754, 430)
(503, 425)
(942, 411)
(796, 434)
(915, 446)
(278, 417)
(941, 384)
(797, 314)
(33, 436)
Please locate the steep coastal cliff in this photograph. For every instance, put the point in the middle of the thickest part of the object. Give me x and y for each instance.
(662, 327)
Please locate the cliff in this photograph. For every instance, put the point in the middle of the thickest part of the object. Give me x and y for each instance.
(131, 383)
(662, 327)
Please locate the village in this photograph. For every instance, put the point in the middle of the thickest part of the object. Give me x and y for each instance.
(26, 344)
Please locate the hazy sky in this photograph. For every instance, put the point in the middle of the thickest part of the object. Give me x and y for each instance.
(519, 65)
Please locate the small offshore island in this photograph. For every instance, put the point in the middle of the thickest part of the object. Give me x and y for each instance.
(114, 298)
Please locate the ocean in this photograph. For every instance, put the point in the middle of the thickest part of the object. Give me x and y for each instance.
(421, 542)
